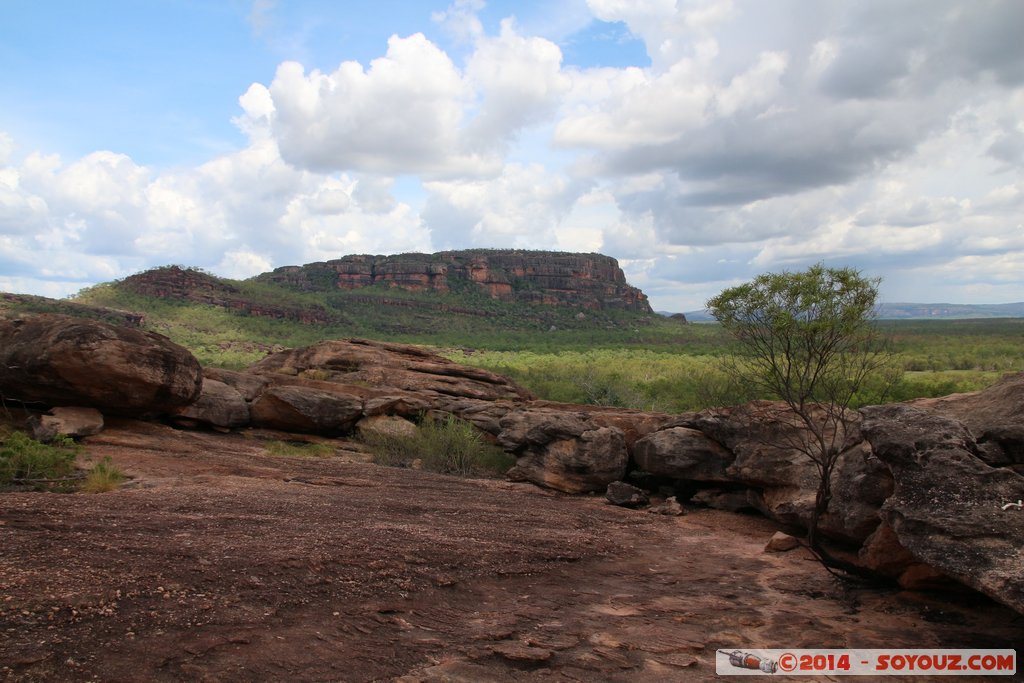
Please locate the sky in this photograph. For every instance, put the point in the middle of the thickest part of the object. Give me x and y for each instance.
(699, 142)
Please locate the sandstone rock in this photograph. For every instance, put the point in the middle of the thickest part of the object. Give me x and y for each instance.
(994, 415)
(670, 507)
(484, 415)
(626, 495)
(60, 361)
(921, 577)
(759, 452)
(883, 553)
(249, 386)
(521, 652)
(781, 542)
(742, 500)
(562, 450)
(402, 404)
(305, 408)
(68, 421)
(946, 506)
(402, 367)
(682, 453)
(386, 426)
(218, 405)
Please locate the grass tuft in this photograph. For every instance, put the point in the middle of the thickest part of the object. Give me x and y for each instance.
(103, 477)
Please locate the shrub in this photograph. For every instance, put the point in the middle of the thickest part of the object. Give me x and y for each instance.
(448, 446)
(23, 460)
(102, 477)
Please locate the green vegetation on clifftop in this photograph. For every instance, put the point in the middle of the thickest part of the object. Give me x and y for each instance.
(560, 353)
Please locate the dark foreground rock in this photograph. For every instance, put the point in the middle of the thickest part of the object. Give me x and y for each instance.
(947, 507)
(63, 361)
(626, 495)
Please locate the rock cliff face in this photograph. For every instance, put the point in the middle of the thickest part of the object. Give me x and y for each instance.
(591, 281)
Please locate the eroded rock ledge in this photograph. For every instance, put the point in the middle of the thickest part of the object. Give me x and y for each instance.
(920, 489)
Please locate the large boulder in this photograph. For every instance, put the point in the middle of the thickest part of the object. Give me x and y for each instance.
(683, 453)
(312, 407)
(760, 445)
(563, 450)
(947, 506)
(995, 416)
(218, 405)
(248, 386)
(63, 361)
(398, 366)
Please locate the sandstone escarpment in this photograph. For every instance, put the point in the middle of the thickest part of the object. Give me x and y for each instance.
(590, 281)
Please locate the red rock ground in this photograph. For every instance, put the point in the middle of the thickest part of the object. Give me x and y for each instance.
(220, 562)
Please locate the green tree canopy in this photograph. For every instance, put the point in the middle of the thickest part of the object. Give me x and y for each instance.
(809, 339)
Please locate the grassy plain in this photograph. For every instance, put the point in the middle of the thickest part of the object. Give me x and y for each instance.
(938, 357)
(609, 357)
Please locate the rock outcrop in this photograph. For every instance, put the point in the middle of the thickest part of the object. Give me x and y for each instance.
(329, 387)
(752, 446)
(994, 415)
(380, 365)
(927, 492)
(218, 405)
(947, 506)
(63, 361)
(574, 449)
(590, 281)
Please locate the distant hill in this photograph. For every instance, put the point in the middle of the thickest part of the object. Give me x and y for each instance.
(501, 299)
(588, 281)
(910, 311)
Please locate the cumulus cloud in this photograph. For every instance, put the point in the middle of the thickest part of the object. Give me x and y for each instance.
(520, 82)
(521, 208)
(404, 114)
(460, 20)
(103, 216)
(761, 135)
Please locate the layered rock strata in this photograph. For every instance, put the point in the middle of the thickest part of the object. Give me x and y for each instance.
(591, 281)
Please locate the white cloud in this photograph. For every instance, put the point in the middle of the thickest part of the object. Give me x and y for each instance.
(521, 208)
(761, 135)
(405, 114)
(239, 264)
(520, 80)
(460, 20)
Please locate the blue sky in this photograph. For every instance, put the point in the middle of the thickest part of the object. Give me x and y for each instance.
(699, 142)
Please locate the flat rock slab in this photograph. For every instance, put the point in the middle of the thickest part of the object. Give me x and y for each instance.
(216, 563)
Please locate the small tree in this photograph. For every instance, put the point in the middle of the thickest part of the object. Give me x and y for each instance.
(810, 340)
